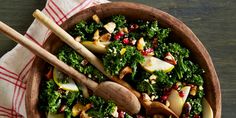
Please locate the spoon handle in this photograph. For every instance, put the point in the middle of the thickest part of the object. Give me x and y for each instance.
(45, 55)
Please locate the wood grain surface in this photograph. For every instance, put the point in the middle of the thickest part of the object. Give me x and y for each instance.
(213, 21)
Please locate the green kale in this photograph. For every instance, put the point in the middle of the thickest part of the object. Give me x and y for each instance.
(78, 30)
(73, 59)
(119, 20)
(162, 34)
(175, 49)
(50, 99)
(68, 112)
(128, 116)
(101, 107)
(92, 27)
(146, 87)
(196, 106)
(150, 30)
(163, 80)
(114, 61)
(85, 29)
(71, 97)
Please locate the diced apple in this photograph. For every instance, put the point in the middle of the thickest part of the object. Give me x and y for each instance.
(110, 27)
(140, 44)
(152, 64)
(96, 47)
(176, 101)
(207, 110)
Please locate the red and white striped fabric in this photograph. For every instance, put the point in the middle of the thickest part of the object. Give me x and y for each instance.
(15, 65)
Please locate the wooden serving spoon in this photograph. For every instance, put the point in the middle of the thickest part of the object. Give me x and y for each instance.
(107, 90)
(151, 107)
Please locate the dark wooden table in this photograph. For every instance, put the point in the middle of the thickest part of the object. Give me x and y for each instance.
(213, 21)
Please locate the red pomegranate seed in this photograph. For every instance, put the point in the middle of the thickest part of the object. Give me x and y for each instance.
(126, 41)
(181, 94)
(116, 37)
(121, 114)
(175, 87)
(196, 116)
(164, 97)
(133, 27)
(144, 52)
(119, 35)
(149, 50)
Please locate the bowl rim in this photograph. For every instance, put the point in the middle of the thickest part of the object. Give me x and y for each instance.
(177, 24)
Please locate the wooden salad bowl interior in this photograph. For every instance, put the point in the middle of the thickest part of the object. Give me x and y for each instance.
(180, 33)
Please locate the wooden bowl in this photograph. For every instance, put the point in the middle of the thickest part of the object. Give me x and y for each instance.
(180, 33)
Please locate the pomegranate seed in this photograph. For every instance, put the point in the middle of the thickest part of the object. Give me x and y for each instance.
(121, 114)
(149, 50)
(133, 27)
(119, 35)
(144, 52)
(164, 97)
(175, 87)
(126, 41)
(196, 116)
(181, 94)
(116, 37)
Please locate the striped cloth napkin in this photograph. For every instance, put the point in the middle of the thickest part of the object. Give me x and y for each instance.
(15, 65)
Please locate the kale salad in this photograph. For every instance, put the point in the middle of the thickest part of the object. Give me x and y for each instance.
(138, 52)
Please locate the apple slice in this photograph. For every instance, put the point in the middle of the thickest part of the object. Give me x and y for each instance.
(177, 101)
(95, 46)
(152, 64)
(52, 115)
(70, 85)
(207, 111)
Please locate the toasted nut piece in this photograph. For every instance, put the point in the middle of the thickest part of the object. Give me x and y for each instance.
(78, 38)
(145, 97)
(87, 107)
(153, 97)
(125, 71)
(167, 103)
(77, 108)
(84, 115)
(193, 91)
(110, 27)
(105, 37)
(133, 42)
(170, 59)
(84, 62)
(96, 35)
(125, 30)
(152, 79)
(140, 44)
(96, 18)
